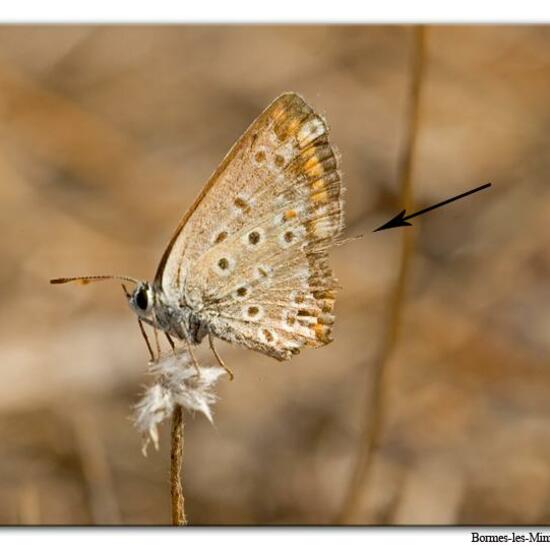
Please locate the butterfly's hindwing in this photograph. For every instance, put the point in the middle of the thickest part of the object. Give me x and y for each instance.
(251, 259)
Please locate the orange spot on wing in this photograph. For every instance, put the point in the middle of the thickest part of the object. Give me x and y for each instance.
(310, 163)
(312, 168)
(289, 215)
(320, 197)
(293, 126)
(322, 333)
(318, 185)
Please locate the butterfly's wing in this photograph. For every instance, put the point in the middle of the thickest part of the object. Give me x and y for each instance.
(250, 258)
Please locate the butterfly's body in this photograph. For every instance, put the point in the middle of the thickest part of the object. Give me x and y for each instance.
(248, 262)
(180, 321)
(176, 320)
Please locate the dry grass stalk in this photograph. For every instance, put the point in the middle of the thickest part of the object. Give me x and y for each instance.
(373, 419)
(176, 459)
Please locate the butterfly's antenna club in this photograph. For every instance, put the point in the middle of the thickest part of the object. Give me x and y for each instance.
(92, 279)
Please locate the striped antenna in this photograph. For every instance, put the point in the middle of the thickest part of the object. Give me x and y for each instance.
(92, 279)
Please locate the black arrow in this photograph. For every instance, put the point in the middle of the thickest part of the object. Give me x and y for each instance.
(401, 220)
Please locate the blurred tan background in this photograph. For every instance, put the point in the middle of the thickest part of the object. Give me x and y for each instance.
(107, 133)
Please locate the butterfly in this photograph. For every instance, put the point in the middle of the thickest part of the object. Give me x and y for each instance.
(248, 263)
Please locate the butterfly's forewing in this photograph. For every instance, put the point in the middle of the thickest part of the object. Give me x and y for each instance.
(214, 209)
(251, 257)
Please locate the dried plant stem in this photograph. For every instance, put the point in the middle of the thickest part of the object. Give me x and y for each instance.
(373, 418)
(176, 458)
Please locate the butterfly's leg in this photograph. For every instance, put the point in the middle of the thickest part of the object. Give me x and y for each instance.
(155, 332)
(195, 362)
(171, 342)
(218, 358)
(157, 343)
(144, 334)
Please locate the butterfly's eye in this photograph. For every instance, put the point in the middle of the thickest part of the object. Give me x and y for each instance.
(141, 299)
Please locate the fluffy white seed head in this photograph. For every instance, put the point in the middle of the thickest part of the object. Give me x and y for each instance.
(176, 383)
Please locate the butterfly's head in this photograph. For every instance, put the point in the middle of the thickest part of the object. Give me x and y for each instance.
(142, 299)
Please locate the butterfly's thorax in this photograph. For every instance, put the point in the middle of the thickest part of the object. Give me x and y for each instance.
(178, 320)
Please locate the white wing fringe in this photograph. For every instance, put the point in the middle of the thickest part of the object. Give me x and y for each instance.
(176, 383)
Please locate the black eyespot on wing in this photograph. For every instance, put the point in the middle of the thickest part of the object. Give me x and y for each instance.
(223, 263)
(253, 237)
(253, 311)
(221, 237)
